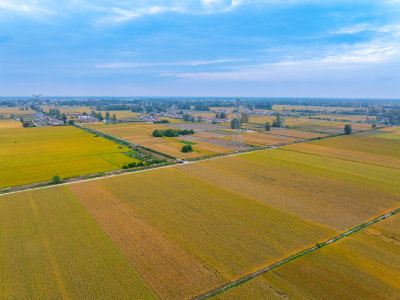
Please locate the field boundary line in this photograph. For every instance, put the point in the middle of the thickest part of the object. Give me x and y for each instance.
(295, 256)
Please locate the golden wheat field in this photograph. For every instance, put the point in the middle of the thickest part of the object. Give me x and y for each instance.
(52, 248)
(363, 266)
(29, 155)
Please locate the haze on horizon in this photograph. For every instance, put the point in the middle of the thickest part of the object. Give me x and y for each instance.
(259, 48)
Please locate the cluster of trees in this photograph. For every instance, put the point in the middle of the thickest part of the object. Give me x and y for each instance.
(188, 118)
(278, 121)
(221, 115)
(98, 115)
(172, 132)
(55, 113)
(113, 119)
(133, 165)
(161, 121)
(187, 148)
(236, 124)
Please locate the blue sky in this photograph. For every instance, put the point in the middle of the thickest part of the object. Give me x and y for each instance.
(288, 48)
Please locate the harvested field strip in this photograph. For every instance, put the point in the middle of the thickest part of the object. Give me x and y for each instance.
(363, 267)
(233, 234)
(51, 248)
(297, 133)
(320, 197)
(171, 271)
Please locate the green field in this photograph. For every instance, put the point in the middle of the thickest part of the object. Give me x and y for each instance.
(29, 155)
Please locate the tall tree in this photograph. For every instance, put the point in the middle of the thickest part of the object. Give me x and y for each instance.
(347, 129)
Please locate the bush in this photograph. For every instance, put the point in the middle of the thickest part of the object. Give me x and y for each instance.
(267, 126)
(56, 179)
(187, 148)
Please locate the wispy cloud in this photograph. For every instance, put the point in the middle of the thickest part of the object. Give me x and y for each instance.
(358, 28)
(120, 65)
(119, 15)
(29, 8)
(359, 56)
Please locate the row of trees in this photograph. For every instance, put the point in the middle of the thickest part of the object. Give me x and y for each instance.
(172, 132)
(99, 116)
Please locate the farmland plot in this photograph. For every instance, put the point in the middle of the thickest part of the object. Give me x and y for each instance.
(363, 266)
(365, 149)
(141, 134)
(324, 190)
(169, 269)
(29, 155)
(231, 233)
(51, 248)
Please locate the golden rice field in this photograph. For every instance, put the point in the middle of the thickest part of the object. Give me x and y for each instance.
(7, 111)
(230, 234)
(128, 131)
(8, 124)
(180, 231)
(52, 248)
(328, 191)
(312, 107)
(296, 133)
(29, 155)
(363, 266)
(366, 149)
(352, 118)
